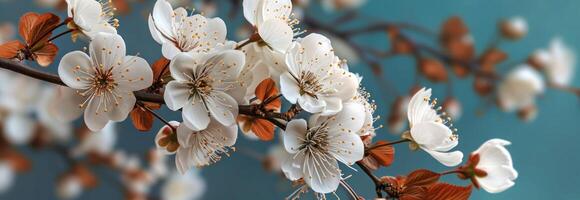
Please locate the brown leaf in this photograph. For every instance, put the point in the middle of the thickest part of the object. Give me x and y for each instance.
(160, 68)
(453, 28)
(384, 155)
(266, 90)
(491, 58)
(421, 177)
(17, 161)
(399, 44)
(142, 119)
(433, 70)
(482, 86)
(444, 191)
(45, 55)
(263, 129)
(10, 49)
(460, 70)
(36, 28)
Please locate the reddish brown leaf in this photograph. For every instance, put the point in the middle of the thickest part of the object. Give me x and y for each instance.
(142, 119)
(433, 70)
(263, 129)
(18, 161)
(160, 68)
(45, 55)
(121, 6)
(36, 28)
(444, 191)
(460, 70)
(482, 85)
(491, 58)
(453, 28)
(266, 90)
(10, 49)
(421, 177)
(384, 155)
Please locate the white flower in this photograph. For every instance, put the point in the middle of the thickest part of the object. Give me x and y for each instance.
(177, 32)
(157, 163)
(314, 79)
(6, 176)
(315, 148)
(92, 16)
(559, 62)
(362, 98)
(18, 93)
(200, 87)
(189, 186)
(19, 128)
(520, 88)
(272, 21)
(105, 81)
(201, 148)
(429, 131)
(101, 142)
(496, 162)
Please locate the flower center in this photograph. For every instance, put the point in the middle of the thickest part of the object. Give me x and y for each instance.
(103, 81)
(317, 139)
(201, 86)
(309, 84)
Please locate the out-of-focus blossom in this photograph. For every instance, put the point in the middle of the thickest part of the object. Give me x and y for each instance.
(48, 3)
(201, 148)
(275, 157)
(105, 81)
(177, 32)
(452, 107)
(490, 167)
(6, 176)
(342, 4)
(315, 148)
(188, 186)
(201, 85)
(166, 138)
(69, 187)
(157, 163)
(207, 8)
(558, 62)
(7, 31)
(397, 118)
(48, 112)
(91, 17)
(101, 142)
(429, 131)
(520, 88)
(19, 128)
(314, 80)
(272, 21)
(17, 100)
(514, 28)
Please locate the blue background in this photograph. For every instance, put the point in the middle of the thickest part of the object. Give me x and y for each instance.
(544, 151)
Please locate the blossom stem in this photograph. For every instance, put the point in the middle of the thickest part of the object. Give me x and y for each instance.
(61, 34)
(455, 171)
(387, 144)
(375, 179)
(140, 104)
(254, 38)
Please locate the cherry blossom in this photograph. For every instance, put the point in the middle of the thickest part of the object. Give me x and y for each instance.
(520, 88)
(430, 131)
(201, 148)
(188, 186)
(177, 32)
(104, 81)
(314, 79)
(201, 87)
(492, 167)
(272, 21)
(317, 147)
(558, 62)
(92, 17)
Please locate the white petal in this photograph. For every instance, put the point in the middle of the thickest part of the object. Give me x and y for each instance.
(222, 107)
(493, 153)
(169, 50)
(183, 160)
(154, 32)
(291, 171)
(133, 74)
(119, 112)
(225, 135)
(279, 9)
(67, 109)
(184, 134)
(196, 115)
(95, 117)
(350, 119)
(321, 176)
(176, 95)
(226, 67)
(107, 49)
(347, 147)
(250, 10)
(182, 67)
(318, 52)
(75, 68)
(448, 159)
(19, 128)
(498, 179)
(294, 135)
(277, 34)
(432, 135)
(6, 176)
(289, 88)
(333, 106)
(162, 16)
(311, 104)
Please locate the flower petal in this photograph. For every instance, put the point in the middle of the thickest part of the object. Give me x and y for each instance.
(18, 128)
(222, 107)
(169, 50)
(75, 69)
(107, 49)
(321, 174)
(250, 10)
(95, 117)
(133, 74)
(176, 95)
(182, 67)
(277, 34)
(120, 111)
(195, 115)
(184, 134)
(311, 104)
(498, 179)
(289, 88)
(294, 135)
(433, 135)
(448, 159)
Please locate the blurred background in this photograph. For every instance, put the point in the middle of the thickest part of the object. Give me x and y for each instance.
(543, 149)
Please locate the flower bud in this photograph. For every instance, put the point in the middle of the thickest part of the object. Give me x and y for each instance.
(514, 28)
(482, 86)
(166, 138)
(539, 59)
